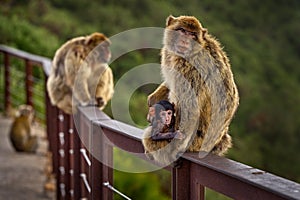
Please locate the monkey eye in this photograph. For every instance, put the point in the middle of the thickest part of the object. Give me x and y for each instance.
(182, 30)
(193, 35)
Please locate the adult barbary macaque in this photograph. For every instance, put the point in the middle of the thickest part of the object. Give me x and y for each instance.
(80, 69)
(199, 81)
(20, 133)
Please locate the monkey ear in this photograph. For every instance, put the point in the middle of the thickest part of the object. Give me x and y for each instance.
(203, 32)
(89, 41)
(169, 20)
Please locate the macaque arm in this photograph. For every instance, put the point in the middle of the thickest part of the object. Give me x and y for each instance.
(80, 90)
(161, 93)
(166, 136)
(71, 64)
(70, 72)
(105, 87)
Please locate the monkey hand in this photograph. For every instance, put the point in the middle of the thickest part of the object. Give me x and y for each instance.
(100, 102)
(179, 135)
(151, 100)
(161, 93)
(89, 103)
(150, 115)
(168, 136)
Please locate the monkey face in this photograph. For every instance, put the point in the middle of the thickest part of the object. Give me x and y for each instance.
(166, 116)
(162, 112)
(27, 111)
(182, 35)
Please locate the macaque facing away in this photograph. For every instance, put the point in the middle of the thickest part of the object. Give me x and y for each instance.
(20, 132)
(80, 71)
(199, 82)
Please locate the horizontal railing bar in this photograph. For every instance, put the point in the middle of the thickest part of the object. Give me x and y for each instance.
(92, 113)
(39, 60)
(129, 139)
(223, 175)
(122, 129)
(252, 176)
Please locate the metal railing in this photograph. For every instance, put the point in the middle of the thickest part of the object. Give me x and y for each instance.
(78, 150)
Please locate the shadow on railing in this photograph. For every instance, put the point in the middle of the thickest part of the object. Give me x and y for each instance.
(77, 152)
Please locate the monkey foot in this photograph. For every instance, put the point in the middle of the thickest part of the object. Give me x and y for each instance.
(100, 102)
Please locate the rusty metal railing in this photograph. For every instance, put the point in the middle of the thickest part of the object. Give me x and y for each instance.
(83, 155)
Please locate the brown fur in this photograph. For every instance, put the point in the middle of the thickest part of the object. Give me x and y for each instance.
(193, 78)
(20, 132)
(80, 69)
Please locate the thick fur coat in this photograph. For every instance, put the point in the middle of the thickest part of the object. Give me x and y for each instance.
(200, 83)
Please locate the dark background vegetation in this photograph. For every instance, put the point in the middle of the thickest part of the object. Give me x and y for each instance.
(261, 39)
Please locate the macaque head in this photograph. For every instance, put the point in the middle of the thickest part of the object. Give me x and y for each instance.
(164, 112)
(183, 35)
(166, 116)
(26, 111)
(101, 43)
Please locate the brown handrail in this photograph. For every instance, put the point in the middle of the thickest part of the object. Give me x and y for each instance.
(231, 178)
(77, 149)
(29, 60)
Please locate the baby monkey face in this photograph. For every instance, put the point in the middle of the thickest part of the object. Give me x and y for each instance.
(166, 116)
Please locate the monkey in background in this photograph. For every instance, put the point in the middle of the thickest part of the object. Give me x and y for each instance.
(199, 81)
(80, 68)
(20, 132)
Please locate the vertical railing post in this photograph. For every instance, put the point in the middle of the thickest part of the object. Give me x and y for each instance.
(66, 147)
(107, 171)
(28, 82)
(197, 190)
(96, 173)
(85, 158)
(63, 156)
(7, 97)
(52, 126)
(74, 161)
(60, 192)
(181, 181)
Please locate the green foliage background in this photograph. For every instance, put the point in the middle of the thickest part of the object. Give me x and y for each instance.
(261, 39)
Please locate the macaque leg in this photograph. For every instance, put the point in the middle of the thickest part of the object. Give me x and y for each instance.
(224, 144)
(66, 103)
(31, 145)
(105, 88)
(161, 93)
(81, 90)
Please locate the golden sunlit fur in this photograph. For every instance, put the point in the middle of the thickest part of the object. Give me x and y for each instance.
(198, 80)
(80, 69)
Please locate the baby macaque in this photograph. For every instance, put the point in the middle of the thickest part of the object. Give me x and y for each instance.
(162, 119)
